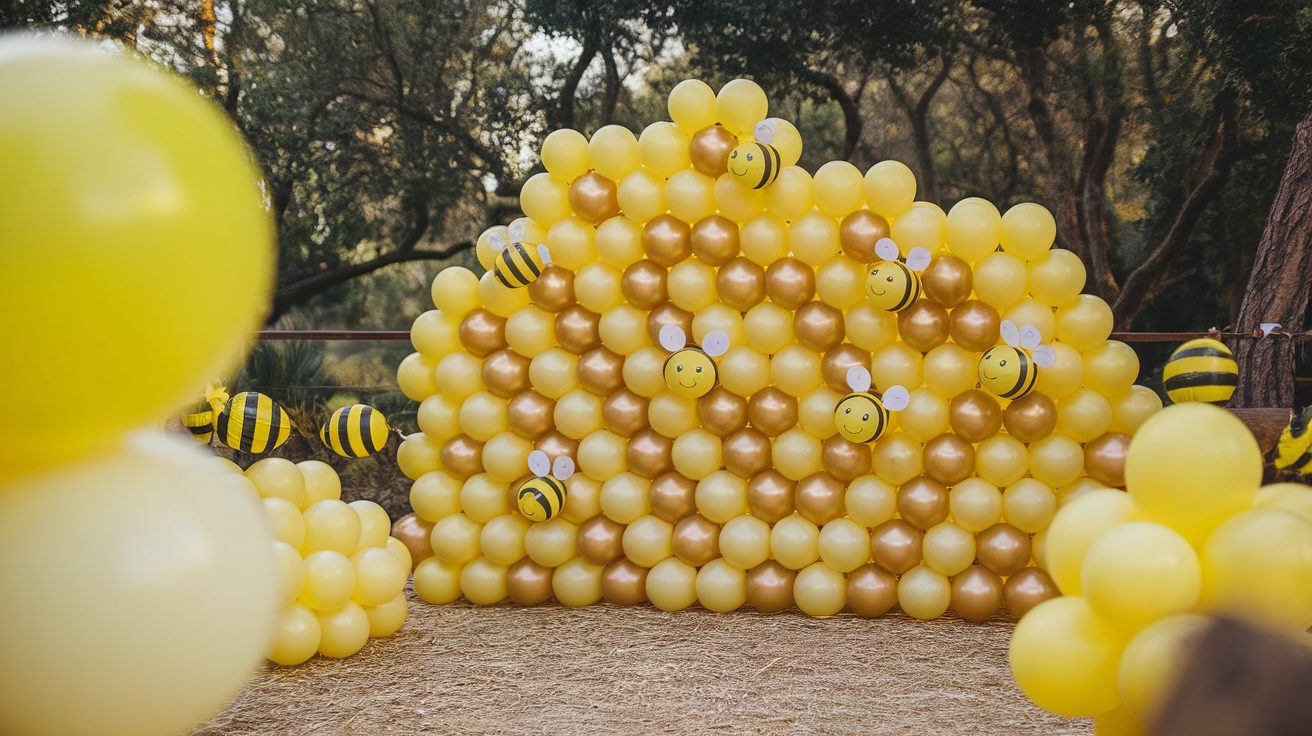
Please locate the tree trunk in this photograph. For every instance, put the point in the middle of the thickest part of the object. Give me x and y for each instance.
(1279, 284)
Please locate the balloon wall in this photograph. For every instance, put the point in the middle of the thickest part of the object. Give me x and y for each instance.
(680, 313)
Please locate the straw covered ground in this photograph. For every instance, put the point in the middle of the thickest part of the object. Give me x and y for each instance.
(464, 670)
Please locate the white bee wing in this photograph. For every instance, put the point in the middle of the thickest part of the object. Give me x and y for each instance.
(564, 468)
(858, 378)
(673, 338)
(1268, 327)
(1030, 337)
(764, 131)
(887, 249)
(918, 259)
(896, 398)
(497, 242)
(545, 253)
(1010, 332)
(538, 463)
(716, 343)
(1044, 356)
(517, 230)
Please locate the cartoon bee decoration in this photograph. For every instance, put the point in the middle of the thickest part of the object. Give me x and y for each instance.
(357, 431)
(894, 285)
(543, 496)
(756, 165)
(516, 264)
(1010, 370)
(1201, 370)
(252, 422)
(199, 422)
(1294, 450)
(690, 371)
(864, 415)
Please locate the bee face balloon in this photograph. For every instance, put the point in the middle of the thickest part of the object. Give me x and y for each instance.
(1010, 370)
(690, 371)
(517, 265)
(542, 497)
(1201, 370)
(893, 285)
(863, 415)
(355, 431)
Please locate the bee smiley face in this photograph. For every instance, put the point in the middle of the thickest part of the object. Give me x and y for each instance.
(863, 415)
(690, 371)
(1011, 370)
(754, 165)
(891, 284)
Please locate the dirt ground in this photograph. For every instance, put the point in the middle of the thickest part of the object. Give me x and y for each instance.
(554, 670)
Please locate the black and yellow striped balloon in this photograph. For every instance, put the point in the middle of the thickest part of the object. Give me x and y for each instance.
(200, 424)
(357, 430)
(541, 498)
(892, 286)
(755, 165)
(1294, 450)
(1201, 370)
(252, 422)
(518, 265)
(861, 417)
(1007, 372)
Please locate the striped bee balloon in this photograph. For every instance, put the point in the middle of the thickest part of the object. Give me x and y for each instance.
(543, 496)
(252, 422)
(894, 285)
(1011, 370)
(200, 424)
(357, 430)
(864, 415)
(516, 264)
(1201, 370)
(1294, 450)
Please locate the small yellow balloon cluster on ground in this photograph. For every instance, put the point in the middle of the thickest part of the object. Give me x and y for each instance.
(1195, 535)
(341, 576)
(681, 313)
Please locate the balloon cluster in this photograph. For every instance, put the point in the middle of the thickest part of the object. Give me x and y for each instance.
(253, 423)
(1194, 535)
(341, 577)
(679, 312)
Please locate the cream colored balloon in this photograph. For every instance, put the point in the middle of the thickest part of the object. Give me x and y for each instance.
(999, 280)
(1028, 505)
(764, 239)
(437, 582)
(551, 543)
(1001, 460)
(1111, 368)
(790, 197)
(1056, 460)
(815, 412)
(530, 330)
(584, 499)
(619, 242)
(284, 521)
(796, 454)
(624, 498)
(672, 415)
(663, 148)
(601, 455)
(438, 417)
(870, 501)
(483, 582)
(1084, 415)
(434, 496)
(1133, 409)
(813, 236)
(838, 189)
(597, 288)
(768, 327)
(796, 370)
(735, 201)
(482, 416)
(648, 540)
(506, 456)
(642, 196)
(690, 195)
(925, 417)
(578, 414)
(1086, 323)
(896, 365)
(321, 481)
(975, 504)
(697, 454)
(923, 593)
(948, 548)
(455, 539)
(950, 369)
(840, 282)
(671, 585)
(552, 373)
(721, 587)
(415, 377)
(623, 330)
(844, 545)
(1065, 374)
(502, 538)
(897, 458)
(722, 318)
(745, 541)
(375, 525)
(643, 371)
(870, 328)
(721, 496)
(744, 371)
(889, 188)
(820, 590)
(795, 542)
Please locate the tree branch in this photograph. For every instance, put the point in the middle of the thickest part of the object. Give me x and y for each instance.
(612, 90)
(852, 122)
(563, 116)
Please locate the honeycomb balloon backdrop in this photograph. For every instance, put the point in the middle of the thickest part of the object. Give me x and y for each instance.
(774, 388)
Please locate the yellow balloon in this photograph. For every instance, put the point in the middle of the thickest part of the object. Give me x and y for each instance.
(897, 458)
(1001, 460)
(482, 415)
(437, 582)
(553, 372)
(565, 154)
(455, 291)
(744, 371)
(820, 590)
(1028, 505)
(1191, 467)
(720, 496)
(1064, 375)
(973, 229)
(815, 412)
(502, 539)
(1028, 231)
(483, 246)
(692, 105)
(623, 331)
(1056, 460)
(601, 455)
(697, 453)
(796, 454)
(1138, 572)
(577, 583)
(813, 236)
(840, 282)
(545, 198)
(291, 572)
(379, 576)
(402, 552)
(719, 317)
(1076, 526)
(551, 543)
(483, 582)
(950, 369)
(844, 545)
(455, 539)
(923, 593)
(787, 141)
(794, 542)
(735, 201)
(889, 188)
(790, 197)
(691, 285)
(296, 636)
(597, 288)
(321, 481)
(925, 417)
(975, 504)
(1075, 490)
(578, 414)
(1153, 661)
(1132, 409)
(1034, 313)
(438, 417)
(1117, 722)
(642, 196)
(276, 477)
(648, 540)
(663, 149)
(1110, 369)
(1293, 497)
(644, 371)
(1064, 658)
(1056, 277)
(768, 328)
(871, 328)
(434, 496)
(1258, 565)
(948, 548)
(344, 631)
(329, 580)
(284, 521)
(919, 227)
(672, 585)
(721, 587)
(740, 105)
(386, 619)
(417, 456)
(764, 239)
(745, 541)
(838, 189)
(691, 195)
(331, 525)
(497, 299)
(870, 501)
(671, 415)
(584, 499)
(529, 331)
(572, 244)
(1084, 416)
(459, 375)
(1085, 323)
(619, 242)
(614, 152)
(1000, 280)
(624, 498)
(416, 377)
(796, 370)
(435, 334)
(896, 365)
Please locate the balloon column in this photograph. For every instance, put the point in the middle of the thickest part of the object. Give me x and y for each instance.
(686, 336)
(138, 585)
(1194, 535)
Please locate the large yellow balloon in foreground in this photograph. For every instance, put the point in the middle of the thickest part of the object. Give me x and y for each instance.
(122, 190)
(1064, 658)
(139, 592)
(1259, 565)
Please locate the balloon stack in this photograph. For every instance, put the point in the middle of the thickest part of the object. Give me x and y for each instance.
(341, 577)
(1195, 535)
(681, 321)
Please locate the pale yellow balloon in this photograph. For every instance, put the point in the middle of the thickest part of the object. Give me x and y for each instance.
(1064, 375)
(331, 525)
(745, 541)
(764, 239)
(623, 330)
(768, 328)
(692, 105)
(1258, 565)
(815, 412)
(1084, 415)
(663, 149)
(1111, 368)
(455, 539)
(284, 521)
(1039, 548)
(999, 280)
(321, 481)
(438, 418)
(483, 248)
(919, 227)
(597, 288)
(387, 618)
(1153, 662)
(795, 542)
(1138, 572)
(721, 496)
(870, 328)
(691, 285)
(572, 241)
(1064, 658)
(565, 154)
(721, 587)
(1033, 313)
(743, 371)
(416, 378)
(897, 458)
(690, 194)
(644, 371)
(296, 636)
(505, 456)
(838, 189)
(1132, 409)
(648, 540)
(290, 570)
(973, 229)
(276, 477)
(624, 498)
(578, 414)
(459, 375)
(1081, 486)
(437, 582)
(497, 299)
(619, 242)
(697, 454)
(642, 196)
(719, 318)
(344, 631)
(925, 417)
(870, 501)
(1074, 529)
(402, 552)
(1085, 323)
(483, 582)
(329, 580)
(844, 545)
(735, 201)
(601, 455)
(896, 365)
(434, 495)
(545, 198)
(672, 585)
(1056, 277)
(417, 456)
(1028, 505)
(740, 105)
(584, 499)
(1028, 231)
(551, 543)
(435, 334)
(796, 370)
(840, 282)
(375, 525)
(787, 140)
(889, 188)
(1056, 460)
(1292, 497)
(790, 197)
(1002, 460)
(948, 548)
(796, 454)
(614, 152)
(820, 590)
(672, 415)
(552, 373)
(455, 291)
(923, 593)
(502, 538)
(813, 236)
(482, 415)
(975, 504)
(379, 576)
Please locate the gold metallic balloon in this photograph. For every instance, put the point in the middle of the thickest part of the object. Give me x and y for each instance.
(976, 593)
(505, 373)
(923, 325)
(770, 496)
(553, 290)
(576, 329)
(555, 445)
(721, 412)
(746, 452)
(601, 540)
(710, 149)
(1003, 549)
(482, 332)
(871, 591)
(414, 533)
(948, 280)
(975, 415)
(649, 454)
(594, 197)
(789, 283)
(949, 459)
(844, 459)
(624, 412)
(715, 240)
(667, 240)
(529, 414)
(673, 497)
(462, 456)
(770, 587)
(922, 502)
(772, 411)
(1031, 418)
(1027, 589)
(624, 583)
(859, 232)
(896, 546)
(668, 314)
(528, 583)
(643, 284)
(819, 326)
(837, 362)
(696, 540)
(819, 498)
(740, 284)
(600, 371)
(974, 325)
(1104, 459)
